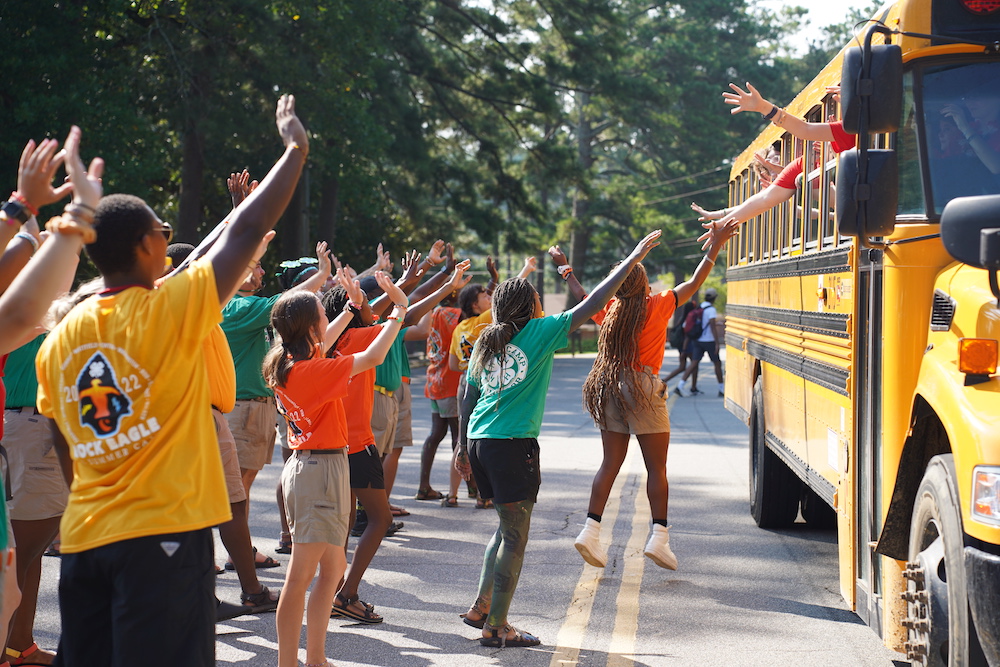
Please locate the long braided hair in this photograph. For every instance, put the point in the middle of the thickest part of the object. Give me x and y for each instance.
(296, 318)
(618, 350)
(513, 307)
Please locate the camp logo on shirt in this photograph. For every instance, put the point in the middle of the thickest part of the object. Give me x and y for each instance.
(512, 372)
(465, 346)
(102, 403)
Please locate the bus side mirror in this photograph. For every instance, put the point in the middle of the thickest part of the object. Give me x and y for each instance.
(867, 209)
(968, 230)
(883, 89)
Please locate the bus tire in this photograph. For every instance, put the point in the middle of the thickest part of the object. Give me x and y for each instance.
(939, 625)
(774, 488)
(816, 512)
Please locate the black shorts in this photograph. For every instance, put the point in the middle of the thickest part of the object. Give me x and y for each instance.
(152, 597)
(506, 471)
(366, 469)
(701, 347)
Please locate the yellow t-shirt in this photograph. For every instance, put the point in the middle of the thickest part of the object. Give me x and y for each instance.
(124, 377)
(221, 370)
(465, 336)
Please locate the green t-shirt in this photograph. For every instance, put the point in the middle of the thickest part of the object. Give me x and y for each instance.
(514, 410)
(245, 321)
(389, 373)
(20, 377)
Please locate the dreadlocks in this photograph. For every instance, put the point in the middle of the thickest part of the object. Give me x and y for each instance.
(513, 307)
(618, 349)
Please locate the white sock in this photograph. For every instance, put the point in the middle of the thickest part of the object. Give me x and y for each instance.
(680, 385)
(722, 387)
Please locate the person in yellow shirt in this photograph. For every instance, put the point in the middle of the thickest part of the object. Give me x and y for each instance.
(137, 577)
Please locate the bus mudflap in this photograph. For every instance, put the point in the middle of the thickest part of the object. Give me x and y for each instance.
(982, 572)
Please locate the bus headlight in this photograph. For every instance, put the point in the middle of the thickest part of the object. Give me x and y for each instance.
(986, 494)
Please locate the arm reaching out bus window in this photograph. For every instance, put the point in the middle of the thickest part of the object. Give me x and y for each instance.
(751, 100)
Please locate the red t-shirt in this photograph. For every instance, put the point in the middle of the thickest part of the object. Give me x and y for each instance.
(653, 336)
(841, 142)
(311, 402)
(442, 382)
(360, 397)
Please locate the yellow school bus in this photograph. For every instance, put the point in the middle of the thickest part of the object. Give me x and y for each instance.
(862, 326)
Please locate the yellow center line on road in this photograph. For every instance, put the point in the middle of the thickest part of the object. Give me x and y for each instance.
(570, 637)
(622, 649)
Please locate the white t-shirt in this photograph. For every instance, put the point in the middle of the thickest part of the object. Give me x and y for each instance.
(708, 314)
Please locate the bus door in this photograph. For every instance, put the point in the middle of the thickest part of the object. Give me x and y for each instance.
(868, 428)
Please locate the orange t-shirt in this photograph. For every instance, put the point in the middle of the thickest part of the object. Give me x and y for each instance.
(442, 382)
(311, 402)
(653, 336)
(360, 397)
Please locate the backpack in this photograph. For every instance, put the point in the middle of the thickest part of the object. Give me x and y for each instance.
(692, 324)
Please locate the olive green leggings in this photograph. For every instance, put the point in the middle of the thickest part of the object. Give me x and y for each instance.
(503, 560)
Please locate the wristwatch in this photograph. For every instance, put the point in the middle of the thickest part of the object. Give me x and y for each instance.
(14, 210)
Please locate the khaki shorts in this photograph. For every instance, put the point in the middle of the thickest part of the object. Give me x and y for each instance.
(639, 421)
(447, 408)
(37, 485)
(404, 422)
(385, 412)
(317, 488)
(252, 423)
(230, 461)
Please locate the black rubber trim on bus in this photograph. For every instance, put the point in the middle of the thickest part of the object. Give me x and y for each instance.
(825, 375)
(827, 324)
(803, 470)
(835, 261)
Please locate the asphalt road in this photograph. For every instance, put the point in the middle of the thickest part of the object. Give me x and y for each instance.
(741, 595)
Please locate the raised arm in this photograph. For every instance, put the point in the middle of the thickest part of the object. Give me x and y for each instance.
(340, 323)
(316, 281)
(597, 299)
(375, 354)
(425, 305)
(751, 100)
(566, 273)
(231, 255)
(718, 234)
(27, 300)
(530, 266)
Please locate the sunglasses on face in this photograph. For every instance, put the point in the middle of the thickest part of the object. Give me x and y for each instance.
(165, 229)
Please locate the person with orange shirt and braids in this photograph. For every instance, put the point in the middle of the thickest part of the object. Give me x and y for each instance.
(625, 396)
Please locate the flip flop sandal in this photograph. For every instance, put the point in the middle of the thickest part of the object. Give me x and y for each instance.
(23, 657)
(398, 511)
(343, 605)
(449, 501)
(284, 547)
(482, 504)
(496, 640)
(428, 494)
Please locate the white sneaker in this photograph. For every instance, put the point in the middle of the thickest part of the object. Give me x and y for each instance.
(588, 543)
(658, 548)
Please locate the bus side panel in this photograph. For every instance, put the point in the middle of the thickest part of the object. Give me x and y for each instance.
(739, 380)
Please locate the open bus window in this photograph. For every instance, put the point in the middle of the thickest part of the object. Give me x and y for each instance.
(911, 191)
(961, 115)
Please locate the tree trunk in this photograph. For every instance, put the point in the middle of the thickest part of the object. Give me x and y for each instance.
(329, 208)
(189, 215)
(581, 226)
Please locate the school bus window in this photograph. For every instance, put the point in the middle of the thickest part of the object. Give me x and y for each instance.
(911, 187)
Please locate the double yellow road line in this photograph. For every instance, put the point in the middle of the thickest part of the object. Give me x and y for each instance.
(569, 642)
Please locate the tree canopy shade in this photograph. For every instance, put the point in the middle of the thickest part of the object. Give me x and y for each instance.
(503, 125)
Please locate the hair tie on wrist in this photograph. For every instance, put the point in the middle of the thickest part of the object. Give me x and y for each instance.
(29, 238)
(564, 271)
(770, 114)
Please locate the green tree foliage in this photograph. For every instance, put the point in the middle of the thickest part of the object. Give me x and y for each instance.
(504, 125)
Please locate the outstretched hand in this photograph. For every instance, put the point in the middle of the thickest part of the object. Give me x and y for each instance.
(323, 256)
(719, 231)
(530, 266)
(458, 277)
(558, 256)
(435, 254)
(240, 186)
(703, 213)
(411, 266)
(449, 265)
(395, 294)
(289, 126)
(491, 268)
(351, 286)
(87, 186)
(746, 100)
(642, 248)
(34, 173)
